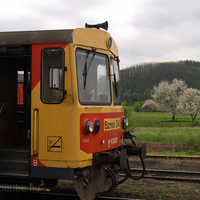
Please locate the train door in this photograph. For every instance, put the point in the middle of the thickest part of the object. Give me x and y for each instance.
(50, 109)
(15, 67)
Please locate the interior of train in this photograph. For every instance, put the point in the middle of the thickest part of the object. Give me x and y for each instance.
(15, 94)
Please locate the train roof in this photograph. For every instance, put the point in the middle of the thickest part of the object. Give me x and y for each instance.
(81, 36)
(29, 37)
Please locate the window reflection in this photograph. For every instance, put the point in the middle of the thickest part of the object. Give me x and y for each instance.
(93, 78)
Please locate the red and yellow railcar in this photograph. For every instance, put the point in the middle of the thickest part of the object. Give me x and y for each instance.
(69, 122)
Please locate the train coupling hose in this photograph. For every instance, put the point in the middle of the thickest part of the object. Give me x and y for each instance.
(130, 135)
(134, 149)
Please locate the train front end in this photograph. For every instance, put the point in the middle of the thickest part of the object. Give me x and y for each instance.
(77, 120)
(99, 112)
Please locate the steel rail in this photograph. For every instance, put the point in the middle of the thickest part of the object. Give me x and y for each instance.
(61, 196)
(174, 157)
(169, 174)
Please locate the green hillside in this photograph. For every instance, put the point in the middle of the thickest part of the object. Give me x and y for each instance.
(138, 81)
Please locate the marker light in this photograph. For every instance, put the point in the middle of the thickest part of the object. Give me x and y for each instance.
(125, 122)
(109, 42)
(89, 127)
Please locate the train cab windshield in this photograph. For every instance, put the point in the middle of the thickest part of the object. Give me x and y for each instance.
(93, 75)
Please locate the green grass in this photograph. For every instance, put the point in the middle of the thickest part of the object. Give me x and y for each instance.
(156, 119)
(159, 127)
(184, 135)
(174, 153)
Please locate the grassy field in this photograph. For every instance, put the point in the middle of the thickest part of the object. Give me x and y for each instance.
(157, 119)
(182, 135)
(159, 127)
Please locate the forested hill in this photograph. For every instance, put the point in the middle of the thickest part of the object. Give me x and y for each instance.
(138, 81)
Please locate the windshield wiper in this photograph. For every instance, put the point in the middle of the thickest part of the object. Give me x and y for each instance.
(87, 67)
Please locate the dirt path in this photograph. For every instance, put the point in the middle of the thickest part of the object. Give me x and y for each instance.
(152, 189)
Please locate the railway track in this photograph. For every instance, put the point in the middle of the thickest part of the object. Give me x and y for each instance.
(174, 157)
(158, 174)
(172, 175)
(51, 196)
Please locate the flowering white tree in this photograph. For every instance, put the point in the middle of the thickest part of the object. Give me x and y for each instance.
(189, 103)
(167, 95)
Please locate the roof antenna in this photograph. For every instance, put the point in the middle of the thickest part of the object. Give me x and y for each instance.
(98, 26)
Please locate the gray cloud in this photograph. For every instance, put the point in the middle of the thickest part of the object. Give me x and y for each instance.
(145, 30)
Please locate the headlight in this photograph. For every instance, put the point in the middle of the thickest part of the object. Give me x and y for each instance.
(125, 122)
(89, 127)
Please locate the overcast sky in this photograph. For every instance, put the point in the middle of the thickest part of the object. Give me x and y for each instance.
(144, 30)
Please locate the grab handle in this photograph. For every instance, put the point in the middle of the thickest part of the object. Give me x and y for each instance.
(35, 154)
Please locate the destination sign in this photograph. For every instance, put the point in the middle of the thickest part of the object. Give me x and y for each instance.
(112, 123)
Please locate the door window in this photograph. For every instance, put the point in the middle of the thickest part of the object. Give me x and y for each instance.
(52, 87)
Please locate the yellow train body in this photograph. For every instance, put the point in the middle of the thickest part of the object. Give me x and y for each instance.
(54, 121)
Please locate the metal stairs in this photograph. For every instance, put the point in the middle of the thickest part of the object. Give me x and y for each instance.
(14, 162)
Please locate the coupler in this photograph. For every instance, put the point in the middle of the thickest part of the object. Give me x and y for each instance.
(115, 157)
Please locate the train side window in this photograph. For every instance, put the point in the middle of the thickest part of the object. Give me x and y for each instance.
(116, 81)
(52, 76)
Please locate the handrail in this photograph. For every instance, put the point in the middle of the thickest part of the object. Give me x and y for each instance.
(35, 134)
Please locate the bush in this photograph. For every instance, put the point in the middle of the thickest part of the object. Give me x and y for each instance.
(124, 103)
(137, 106)
(149, 106)
(154, 108)
(128, 111)
(193, 143)
(192, 152)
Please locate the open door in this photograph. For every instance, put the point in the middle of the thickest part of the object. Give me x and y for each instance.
(15, 68)
(8, 104)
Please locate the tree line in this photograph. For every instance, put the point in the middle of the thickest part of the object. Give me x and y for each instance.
(138, 80)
